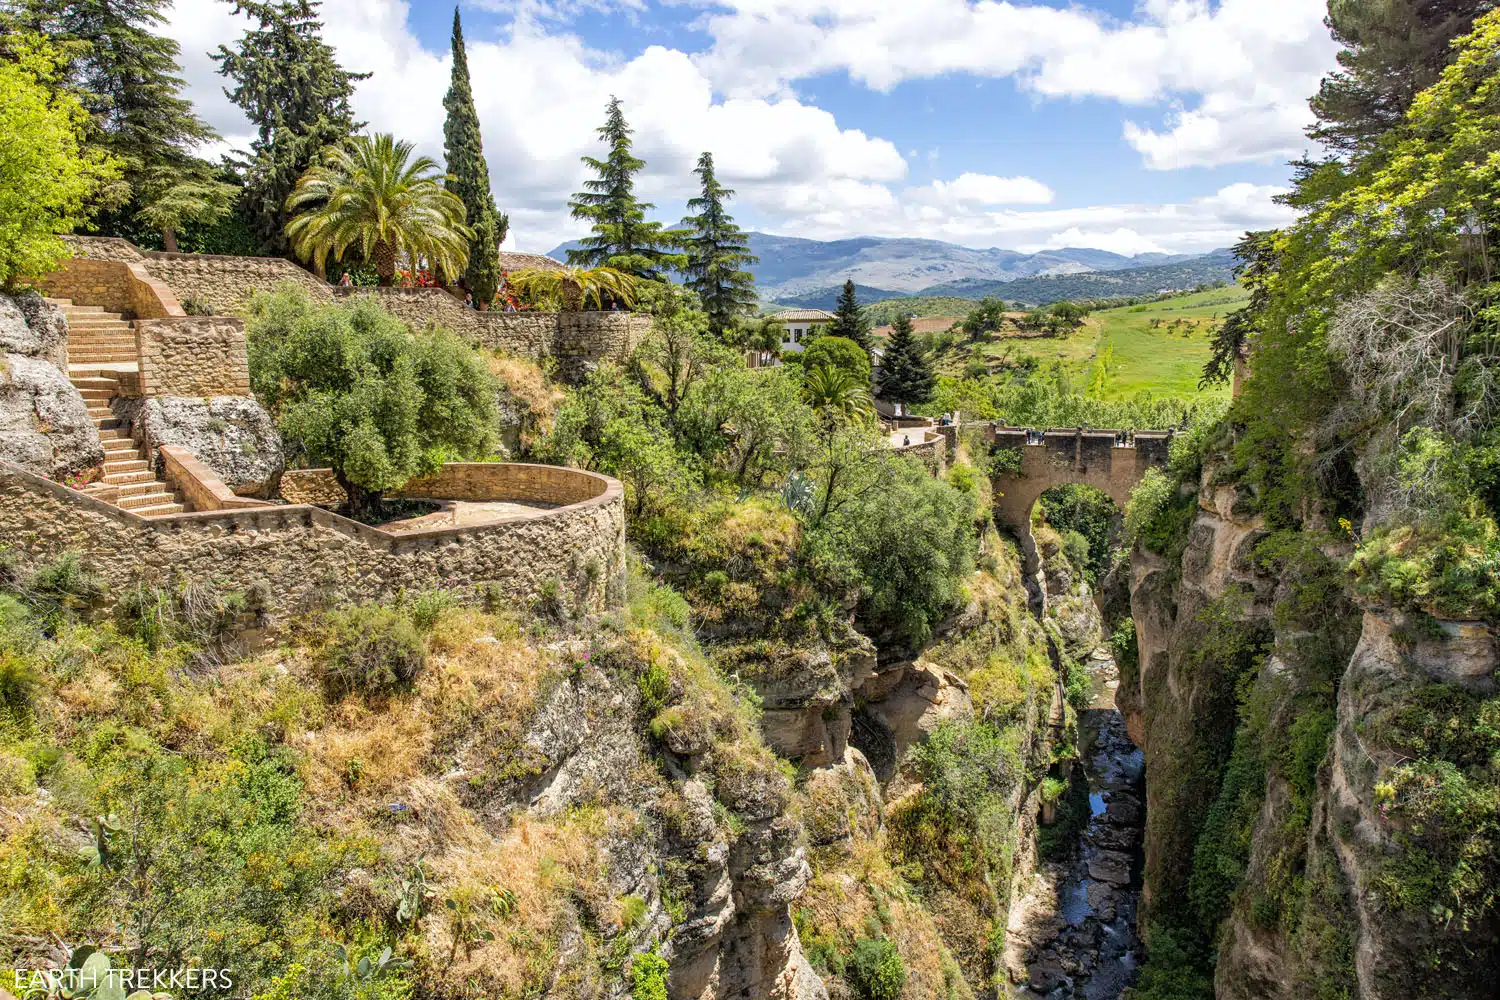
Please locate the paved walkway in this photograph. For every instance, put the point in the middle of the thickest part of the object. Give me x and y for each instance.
(464, 513)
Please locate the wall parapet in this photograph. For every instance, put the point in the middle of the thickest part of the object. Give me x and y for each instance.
(203, 489)
(309, 556)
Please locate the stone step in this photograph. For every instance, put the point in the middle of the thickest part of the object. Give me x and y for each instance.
(142, 487)
(125, 467)
(96, 394)
(109, 423)
(76, 339)
(99, 357)
(123, 479)
(115, 450)
(159, 510)
(70, 308)
(85, 383)
(152, 496)
(99, 321)
(114, 434)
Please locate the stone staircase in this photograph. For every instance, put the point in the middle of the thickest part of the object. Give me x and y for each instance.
(101, 347)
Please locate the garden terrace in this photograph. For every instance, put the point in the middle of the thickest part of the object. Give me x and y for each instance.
(300, 556)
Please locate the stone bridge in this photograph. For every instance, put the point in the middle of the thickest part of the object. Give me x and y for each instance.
(1112, 461)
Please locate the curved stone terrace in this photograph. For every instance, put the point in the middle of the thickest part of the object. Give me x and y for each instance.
(566, 526)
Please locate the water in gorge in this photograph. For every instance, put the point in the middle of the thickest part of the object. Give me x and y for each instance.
(1074, 934)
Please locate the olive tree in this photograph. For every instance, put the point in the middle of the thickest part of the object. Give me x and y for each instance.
(352, 388)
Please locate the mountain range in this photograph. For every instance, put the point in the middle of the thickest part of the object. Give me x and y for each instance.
(809, 273)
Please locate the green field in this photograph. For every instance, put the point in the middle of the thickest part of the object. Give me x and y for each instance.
(1166, 358)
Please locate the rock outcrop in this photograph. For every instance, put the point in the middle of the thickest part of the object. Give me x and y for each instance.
(1264, 697)
(45, 427)
(232, 435)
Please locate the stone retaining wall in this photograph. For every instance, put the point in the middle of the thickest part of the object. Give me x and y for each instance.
(310, 557)
(193, 356)
(224, 283)
(118, 286)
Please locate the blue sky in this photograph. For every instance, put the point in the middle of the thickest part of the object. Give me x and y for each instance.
(1164, 125)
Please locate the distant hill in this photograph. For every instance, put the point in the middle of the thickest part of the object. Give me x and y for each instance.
(796, 271)
(1180, 275)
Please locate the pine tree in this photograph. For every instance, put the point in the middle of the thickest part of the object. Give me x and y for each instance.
(905, 371)
(849, 319)
(469, 175)
(622, 238)
(127, 78)
(717, 251)
(1393, 50)
(297, 96)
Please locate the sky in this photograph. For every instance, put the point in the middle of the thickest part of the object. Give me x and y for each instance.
(1163, 125)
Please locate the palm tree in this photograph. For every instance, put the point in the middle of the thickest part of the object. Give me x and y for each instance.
(369, 194)
(572, 287)
(836, 390)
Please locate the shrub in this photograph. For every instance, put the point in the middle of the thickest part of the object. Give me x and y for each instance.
(875, 969)
(837, 352)
(64, 587)
(1147, 501)
(370, 649)
(648, 977)
(429, 608)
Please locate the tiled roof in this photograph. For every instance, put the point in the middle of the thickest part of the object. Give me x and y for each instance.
(804, 316)
(517, 261)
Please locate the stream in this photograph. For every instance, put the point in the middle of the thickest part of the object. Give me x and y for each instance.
(1073, 933)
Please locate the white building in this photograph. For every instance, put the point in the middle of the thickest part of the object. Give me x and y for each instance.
(797, 324)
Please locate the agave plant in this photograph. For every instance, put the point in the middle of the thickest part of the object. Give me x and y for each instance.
(89, 976)
(571, 288)
(798, 493)
(372, 194)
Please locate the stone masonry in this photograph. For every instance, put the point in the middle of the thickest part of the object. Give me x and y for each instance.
(193, 356)
(307, 557)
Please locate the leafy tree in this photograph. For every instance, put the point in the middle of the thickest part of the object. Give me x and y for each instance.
(1067, 315)
(127, 77)
(984, 319)
(717, 253)
(46, 175)
(849, 319)
(906, 374)
(608, 425)
(748, 422)
(1393, 49)
(622, 238)
(572, 288)
(295, 94)
(370, 195)
(837, 352)
(352, 388)
(469, 176)
(676, 354)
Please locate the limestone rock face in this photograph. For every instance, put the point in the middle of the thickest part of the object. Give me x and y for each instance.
(232, 435)
(45, 426)
(32, 326)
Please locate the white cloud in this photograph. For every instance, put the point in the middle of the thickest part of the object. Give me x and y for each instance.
(1248, 64)
(984, 189)
(541, 92)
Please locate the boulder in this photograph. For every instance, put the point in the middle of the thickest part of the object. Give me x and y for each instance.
(232, 435)
(33, 327)
(45, 427)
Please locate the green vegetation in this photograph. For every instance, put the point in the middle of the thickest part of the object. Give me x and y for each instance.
(469, 177)
(358, 392)
(622, 237)
(46, 176)
(906, 375)
(1160, 348)
(369, 195)
(717, 254)
(296, 95)
(850, 321)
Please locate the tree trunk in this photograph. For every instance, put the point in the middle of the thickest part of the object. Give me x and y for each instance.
(169, 240)
(365, 506)
(572, 296)
(384, 257)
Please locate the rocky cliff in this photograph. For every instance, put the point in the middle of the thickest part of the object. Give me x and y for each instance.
(1321, 781)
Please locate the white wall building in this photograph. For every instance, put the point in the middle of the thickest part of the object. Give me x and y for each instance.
(797, 324)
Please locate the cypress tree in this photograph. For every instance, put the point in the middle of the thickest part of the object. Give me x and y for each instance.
(849, 319)
(297, 96)
(905, 372)
(469, 175)
(622, 238)
(127, 78)
(717, 252)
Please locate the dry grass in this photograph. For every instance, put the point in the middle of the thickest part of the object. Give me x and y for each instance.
(529, 384)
